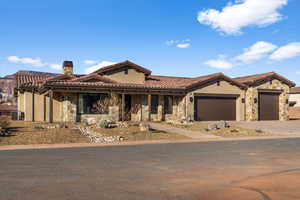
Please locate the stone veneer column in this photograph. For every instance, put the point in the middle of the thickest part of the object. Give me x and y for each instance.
(252, 111)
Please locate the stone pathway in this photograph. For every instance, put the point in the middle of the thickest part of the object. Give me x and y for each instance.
(181, 131)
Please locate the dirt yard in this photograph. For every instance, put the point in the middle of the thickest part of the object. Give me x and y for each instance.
(233, 131)
(32, 133)
(133, 133)
(24, 133)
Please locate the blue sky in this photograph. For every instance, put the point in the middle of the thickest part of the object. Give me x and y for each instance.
(180, 38)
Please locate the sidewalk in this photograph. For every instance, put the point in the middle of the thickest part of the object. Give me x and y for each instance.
(148, 142)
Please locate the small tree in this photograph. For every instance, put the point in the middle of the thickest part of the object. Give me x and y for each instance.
(103, 104)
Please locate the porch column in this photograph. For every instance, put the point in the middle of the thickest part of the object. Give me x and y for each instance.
(33, 118)
(123, 107)
(45, 109)
(51, 106)
(149, 107)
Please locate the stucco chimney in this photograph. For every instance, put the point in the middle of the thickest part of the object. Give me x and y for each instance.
(68, 67)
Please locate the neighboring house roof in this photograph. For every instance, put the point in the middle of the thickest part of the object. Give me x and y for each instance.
(294, 112)
(259, 78)
(295, 90)
(121, 65)
(7, 108)
(30, 77)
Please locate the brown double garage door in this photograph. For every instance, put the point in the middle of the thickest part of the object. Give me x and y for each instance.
(214, 108)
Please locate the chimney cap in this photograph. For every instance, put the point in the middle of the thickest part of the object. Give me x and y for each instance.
(68, 64)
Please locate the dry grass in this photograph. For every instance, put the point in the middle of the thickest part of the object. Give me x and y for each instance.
(23, 133)
(133, 133)
(233, 131)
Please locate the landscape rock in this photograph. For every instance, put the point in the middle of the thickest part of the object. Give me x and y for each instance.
(218, 125)
(103, 123)
(144, 127)
(122, 124)
(97, 137)
(91, 121)
(212, 127)
(222, 124)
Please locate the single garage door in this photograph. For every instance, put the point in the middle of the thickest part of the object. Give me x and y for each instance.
(268, 106)
(215, 108)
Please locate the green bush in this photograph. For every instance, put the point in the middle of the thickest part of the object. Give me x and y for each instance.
(4, 122)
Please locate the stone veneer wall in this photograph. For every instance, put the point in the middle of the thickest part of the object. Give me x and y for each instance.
(69, 110)
(69, 107)
(252, 93)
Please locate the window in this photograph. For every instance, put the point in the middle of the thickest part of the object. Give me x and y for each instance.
(154, 104)
(93, 104)
(126, 71)
(168, 104)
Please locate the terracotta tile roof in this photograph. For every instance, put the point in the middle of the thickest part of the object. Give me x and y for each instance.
(167, 81)
(253, 79)
(151, 82)
(93, 76)
(295, 90)
(294, 112)
(31, 78)
(121, 65)
(7, 108)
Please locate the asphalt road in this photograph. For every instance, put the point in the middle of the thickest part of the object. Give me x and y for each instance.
(238, 170)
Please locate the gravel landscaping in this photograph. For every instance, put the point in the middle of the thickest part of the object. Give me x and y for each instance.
(232, 131)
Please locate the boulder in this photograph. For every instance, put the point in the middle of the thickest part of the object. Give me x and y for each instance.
(103, 123)
(222, 124)
(144, 127)
(91, 121)
(212, 127)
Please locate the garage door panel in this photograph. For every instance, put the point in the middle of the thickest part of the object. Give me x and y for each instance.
(215, 108)
(268, 106)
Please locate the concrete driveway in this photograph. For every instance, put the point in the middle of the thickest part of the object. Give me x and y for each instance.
(243, 170)
(289, 128)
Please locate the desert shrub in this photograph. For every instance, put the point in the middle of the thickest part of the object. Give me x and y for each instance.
(103, 123)
(4, 122)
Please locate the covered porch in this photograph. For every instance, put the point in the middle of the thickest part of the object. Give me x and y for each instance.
(125, 105)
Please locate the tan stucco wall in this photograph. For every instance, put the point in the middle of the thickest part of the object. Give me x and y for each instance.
(296, 98)
(133, 76)
(224, 88)
(252, 111)
(39, 107)
(21, 102)
(28, 106)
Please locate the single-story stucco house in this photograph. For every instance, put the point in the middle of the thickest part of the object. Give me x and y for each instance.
(127, 91)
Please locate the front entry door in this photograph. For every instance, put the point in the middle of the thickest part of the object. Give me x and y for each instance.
(127, 107)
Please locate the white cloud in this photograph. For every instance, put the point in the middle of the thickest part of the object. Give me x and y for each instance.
(179, 43)
(183, 45)
(242, 13)
(36, 62)
(298, 72)
(56, 66)
(257, 51)
(219, 63)
(90, 62)
(288, 51)
(98, 66)
(31, 61)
